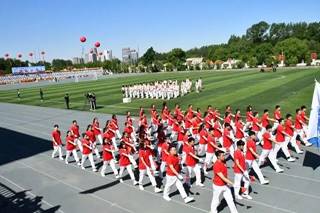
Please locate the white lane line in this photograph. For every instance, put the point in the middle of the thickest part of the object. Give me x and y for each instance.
(131, 186)
(260, 203)
(28, 192)
(76, 188)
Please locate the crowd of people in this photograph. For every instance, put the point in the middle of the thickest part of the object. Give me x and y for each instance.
(167, 89)
(175, 145)
(49, 76)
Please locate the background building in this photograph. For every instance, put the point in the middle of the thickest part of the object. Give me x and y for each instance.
(77, 60)
(129, 56)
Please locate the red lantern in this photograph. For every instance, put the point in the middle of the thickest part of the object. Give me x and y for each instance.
(97, 44)
(42, 53)
(30, 54)
(19, 55)
(83, 39)
(314, 56)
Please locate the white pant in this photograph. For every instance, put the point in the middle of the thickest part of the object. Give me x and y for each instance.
(162, 168)
(132, 161)
(170, 181)
(100, 139)
(210, 158)
(55, 150)
(293, 142)
(129, 169)
(112, 165)
(202, 148)
(78, 142)
(238, 177)
(225, 190)
(254, 165)
(268, 153)
(283, 147)
(74, 153)
(84, 158)
(114, 143)
(196, 170)
(151, 177)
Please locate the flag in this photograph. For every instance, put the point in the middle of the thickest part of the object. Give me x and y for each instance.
(313, 134)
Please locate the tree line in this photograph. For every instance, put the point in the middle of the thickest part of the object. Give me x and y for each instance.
(262, 44)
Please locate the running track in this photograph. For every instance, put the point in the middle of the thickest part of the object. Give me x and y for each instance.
(27, 168)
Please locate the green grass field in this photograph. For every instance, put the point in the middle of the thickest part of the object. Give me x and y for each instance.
(289, 88)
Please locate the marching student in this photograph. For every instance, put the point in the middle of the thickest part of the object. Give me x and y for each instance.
(145, 167)
(289, 129)
(251, 156)
(130, 147)
(174, 177)
(56, 142)
(304, 118)
(108, 157)
(76, 134)
(109, 132)
(125, 163)
(267, 149)
(257, 127)
(299, 125)
(192, 163)
(164, 155)
(92, 139)
(114, 125)
(97, 130)
(220, 182)
(240, 172)
(265, 120)
(71, 148)
(280, 138)
(276, 116)
(228, 139)
(87, 152)
(210, 153)
(203, 134)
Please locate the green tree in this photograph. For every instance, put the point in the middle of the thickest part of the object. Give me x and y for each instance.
(293, 47)
(149, 56)
(258, 32)
(253, 62)
(177, 58)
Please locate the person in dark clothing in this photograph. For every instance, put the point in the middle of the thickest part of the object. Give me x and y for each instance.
(41, 95)
(67, 100)
(94, 101)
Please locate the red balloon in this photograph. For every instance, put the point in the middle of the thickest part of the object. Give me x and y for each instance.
(42, 53)
(97, 44)
(19, 55)
(30, 54)
(83, 39)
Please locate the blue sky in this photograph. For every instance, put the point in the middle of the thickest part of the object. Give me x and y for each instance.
(56, 25)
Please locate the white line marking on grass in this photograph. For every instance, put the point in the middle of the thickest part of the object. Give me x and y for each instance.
(28, 192)
(76, 188)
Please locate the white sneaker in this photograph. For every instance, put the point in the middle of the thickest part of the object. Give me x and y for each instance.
(61, 158)
(94, 170)
(265, 182)
(308, 144)
(103, 174)
(67, 162)
(300, 152)
(279, 171)
(121, 181)
(247, 196)
(117, 176)
(188, 199)
(79, 164)
(167, 198)
(205, 172)
(200, 184)
(135, 182)
(141, 187)
(291, 159)
(239, 197)
(157, 190)
(82, 167)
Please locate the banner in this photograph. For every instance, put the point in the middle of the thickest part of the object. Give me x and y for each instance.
(28, 70)
(313, 134)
